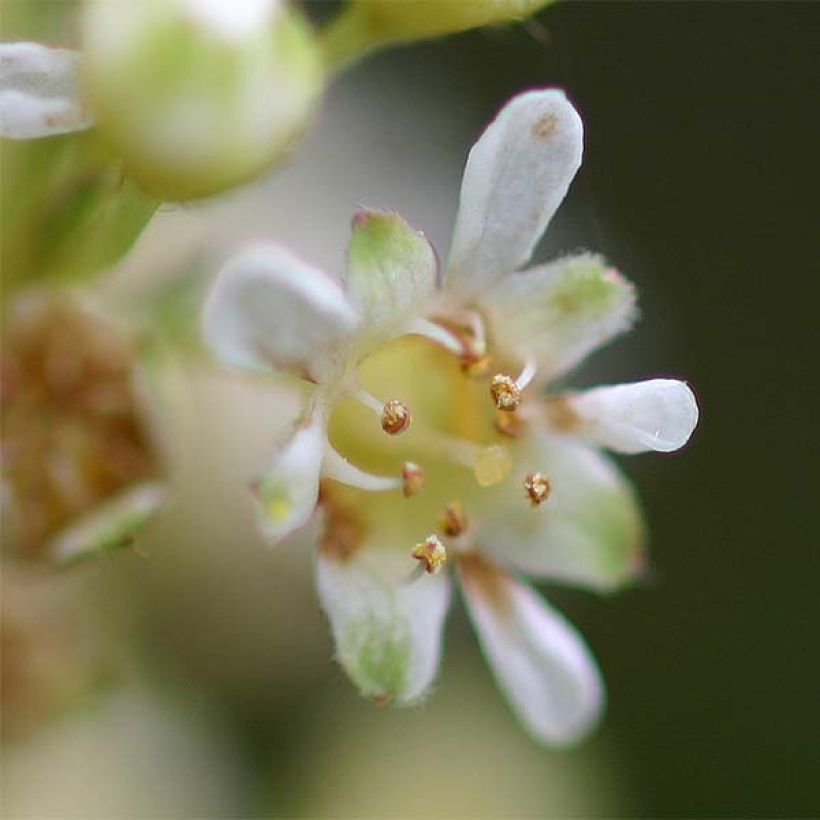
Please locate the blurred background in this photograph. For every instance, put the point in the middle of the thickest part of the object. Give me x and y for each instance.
(216, 692)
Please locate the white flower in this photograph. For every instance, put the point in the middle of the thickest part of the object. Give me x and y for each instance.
(39, 91)
(514, 480)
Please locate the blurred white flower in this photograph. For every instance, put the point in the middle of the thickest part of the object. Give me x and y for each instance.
(39, 91)
(468, 457)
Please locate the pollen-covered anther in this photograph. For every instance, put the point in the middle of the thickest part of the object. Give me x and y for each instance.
(412, 478)
(476, 367)
(453, 521)
(538, 488)
(505, 392)
(432, 553)
(396, 417)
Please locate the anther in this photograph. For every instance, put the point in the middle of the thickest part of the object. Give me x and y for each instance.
(395, 417)
(509, 423)
(505, 392)
(453, 520)
(412, 478)
(432, 553)
(538, 488)
(476, 368)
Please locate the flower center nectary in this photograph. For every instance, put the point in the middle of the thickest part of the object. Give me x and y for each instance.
(458, 438)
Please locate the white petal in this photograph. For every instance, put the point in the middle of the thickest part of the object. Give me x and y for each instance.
(516, 176)
(38, 91)
(659, 414)
(289, 490)
(392, 269)
(540, 661)
(386, 623)
(559, 313)
(268, 310)
(589, 532)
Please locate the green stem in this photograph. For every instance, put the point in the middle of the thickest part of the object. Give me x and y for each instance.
(347, 39)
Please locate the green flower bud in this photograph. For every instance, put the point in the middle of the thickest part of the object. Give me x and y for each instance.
(198, 95)
(367, 24)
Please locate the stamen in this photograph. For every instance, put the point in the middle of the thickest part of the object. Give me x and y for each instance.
(438, 334)
(509, 423)
(338, 468)
(476, 368)
(492, 465)
(538, 488)
(395, 417)
(527, 373)
(412, 477)
(432, 553)
(505, 392)
(453, 520)
(461, 333)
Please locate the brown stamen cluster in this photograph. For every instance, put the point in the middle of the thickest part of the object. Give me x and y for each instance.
(395, 417)
(537, 486)
(505, 393)
(74, 433)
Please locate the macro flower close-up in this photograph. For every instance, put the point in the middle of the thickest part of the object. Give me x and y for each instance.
(428, 420)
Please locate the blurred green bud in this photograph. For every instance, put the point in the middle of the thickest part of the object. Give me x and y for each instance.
(368, 24)
(432, 18)
(198, 95)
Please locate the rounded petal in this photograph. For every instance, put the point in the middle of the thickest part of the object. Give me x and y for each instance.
(589, 531)
(516, 176)
(391, 268)
(268, 310)
(540, 662)
(659, 414)
(288, 492)
(386, 622)
(559, 313)
(38, 91)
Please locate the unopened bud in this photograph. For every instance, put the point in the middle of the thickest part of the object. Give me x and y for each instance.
(403, 20)
(197, 96)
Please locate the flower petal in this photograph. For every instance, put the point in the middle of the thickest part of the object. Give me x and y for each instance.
(269, 310)
(659, 414)
(516, 176)
(559, 313)
(386, 624)
(391, 268)
(113, 525)
(539, 660)
(38, 91)
(588, 532)
(288, 492)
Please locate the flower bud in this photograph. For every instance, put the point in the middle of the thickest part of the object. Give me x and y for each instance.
(433, 18)
(198, 95)
(83, 468)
